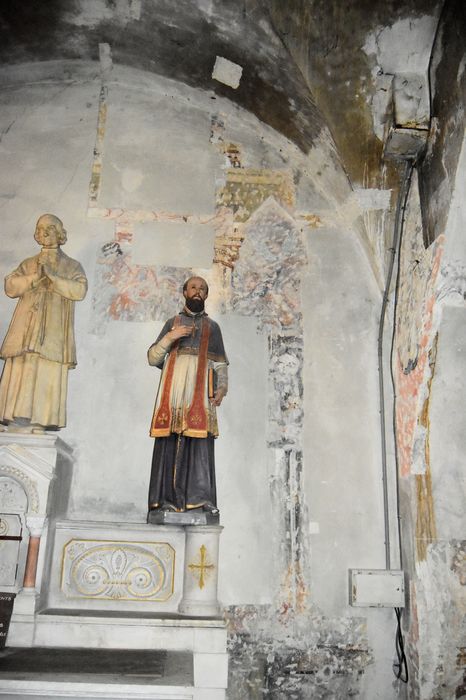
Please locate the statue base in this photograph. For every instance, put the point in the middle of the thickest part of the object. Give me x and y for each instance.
(188, 517)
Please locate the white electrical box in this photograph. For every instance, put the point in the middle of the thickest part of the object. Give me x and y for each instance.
(376, 588)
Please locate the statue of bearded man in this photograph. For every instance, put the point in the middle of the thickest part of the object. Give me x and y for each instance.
(39, 347)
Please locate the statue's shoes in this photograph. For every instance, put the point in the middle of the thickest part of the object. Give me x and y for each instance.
(167, 507)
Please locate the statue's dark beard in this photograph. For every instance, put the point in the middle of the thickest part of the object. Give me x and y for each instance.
(195, 305)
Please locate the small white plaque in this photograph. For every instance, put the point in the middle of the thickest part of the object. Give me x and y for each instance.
(227, 72)
(377, 588)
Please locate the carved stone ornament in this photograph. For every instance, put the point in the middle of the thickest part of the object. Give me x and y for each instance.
(137, 571)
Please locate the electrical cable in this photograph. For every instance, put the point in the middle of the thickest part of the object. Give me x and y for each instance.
(392, 374)
(400, 667)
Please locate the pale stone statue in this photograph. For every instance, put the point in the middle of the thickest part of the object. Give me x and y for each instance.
(39, 346)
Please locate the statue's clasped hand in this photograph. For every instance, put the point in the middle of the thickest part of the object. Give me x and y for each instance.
(38, 278)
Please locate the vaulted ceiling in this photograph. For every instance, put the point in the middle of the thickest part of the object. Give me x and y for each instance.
(307, 64)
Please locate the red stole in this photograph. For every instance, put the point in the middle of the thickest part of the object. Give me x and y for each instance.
(196, 417)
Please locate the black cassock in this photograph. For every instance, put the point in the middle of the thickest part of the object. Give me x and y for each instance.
(183, 472)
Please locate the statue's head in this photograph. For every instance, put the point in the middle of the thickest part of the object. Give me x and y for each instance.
(195, 291)
(49, 231)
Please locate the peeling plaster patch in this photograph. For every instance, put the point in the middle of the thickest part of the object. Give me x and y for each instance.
(105, 58)
(311, 220)
(415, 332)
(232, 151)
(217, 130)
(419, 458)
(405, 46)
(266, 280)
(458, 564)
(438, 595)
(96, 174)
(89, 13)
(301, 657)
(265, 283)
(452, 283)
(402, 53)
(412, 381)
(228, 240)
(227, 72)
(381, 103)
(412, 100)
(286, 412)
(371, 199)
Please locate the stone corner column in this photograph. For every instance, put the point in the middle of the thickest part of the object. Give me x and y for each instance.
(35, 525)
(200, 579)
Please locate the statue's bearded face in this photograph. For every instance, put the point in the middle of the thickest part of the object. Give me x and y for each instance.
(195, 293)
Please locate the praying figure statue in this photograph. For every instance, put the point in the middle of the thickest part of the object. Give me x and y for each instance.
(190, 353)
(39, 347)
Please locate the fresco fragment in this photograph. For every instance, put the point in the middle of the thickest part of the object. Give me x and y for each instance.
(247, 188)
(128, 292)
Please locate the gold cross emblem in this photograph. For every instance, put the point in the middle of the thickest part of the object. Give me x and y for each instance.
(202, 568)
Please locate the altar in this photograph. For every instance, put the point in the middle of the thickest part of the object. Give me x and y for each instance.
(105, 586)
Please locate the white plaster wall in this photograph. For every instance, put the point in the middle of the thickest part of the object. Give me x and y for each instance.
(448, 436)
(342, 434)
(448, 397)
(48, 122)
(342, 454)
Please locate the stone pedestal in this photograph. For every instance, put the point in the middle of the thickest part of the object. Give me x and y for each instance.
(35, 471)
(201, 571)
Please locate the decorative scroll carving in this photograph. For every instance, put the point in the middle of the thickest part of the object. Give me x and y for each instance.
(105, 570)
(26, 482)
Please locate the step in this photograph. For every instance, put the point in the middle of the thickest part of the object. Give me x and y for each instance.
(75, 628)
(119, 674)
